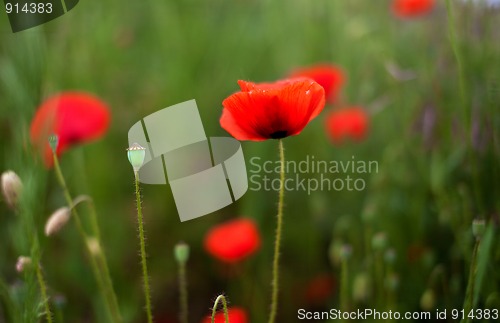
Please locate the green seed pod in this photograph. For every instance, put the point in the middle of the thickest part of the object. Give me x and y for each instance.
(478, 228)
(181, 251)
(136, 154)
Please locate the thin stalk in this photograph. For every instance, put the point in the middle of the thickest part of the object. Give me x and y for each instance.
(469, 294)
(43, 290)
(145, 276)
(460, 64)
(183, 292)
(220, 298)
(344, 285)
(101, 271)
(277, 239)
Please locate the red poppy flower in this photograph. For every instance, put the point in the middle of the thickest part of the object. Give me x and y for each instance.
(235, 314)
(233, 240)
(412, 8)
(75, 117)
(330, 77)
(319, 289)
(349, 122)
(272, 110)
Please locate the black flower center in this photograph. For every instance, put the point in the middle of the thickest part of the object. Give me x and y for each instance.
(279, 134)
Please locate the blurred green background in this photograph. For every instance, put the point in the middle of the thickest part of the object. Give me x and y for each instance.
(142, 56)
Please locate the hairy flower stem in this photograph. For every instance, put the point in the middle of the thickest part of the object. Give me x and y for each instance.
(145, 276)
(277, 239)
(183, 292)
(43, 291)
(469, 294)
(220, 298)
(99, 268)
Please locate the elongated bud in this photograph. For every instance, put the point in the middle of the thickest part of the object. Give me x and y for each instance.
(136, 154)
(181, 252)
(478, 228)
(22, 263)
(11, 188)
(392, 282)
(57, 221)
(390, 256)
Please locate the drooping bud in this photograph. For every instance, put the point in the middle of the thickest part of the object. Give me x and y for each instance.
(392, 282)
(11, 188)
(57, 220)
(136, 154)
(478, 228)
(22, 263)
(181, 251)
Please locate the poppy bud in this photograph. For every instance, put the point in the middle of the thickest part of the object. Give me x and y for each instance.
(478, 228)
(53, 142)
(57, 221)
(361, 287)
(22, 263)
(11, 188)
(392, 282)
(428, 300)
(390, 256)
(379, 241)
(136, 154)
(345, 252)
(181, 252)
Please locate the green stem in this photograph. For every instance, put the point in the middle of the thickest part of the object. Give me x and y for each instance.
(469, 294)
(145, 276)
(220, 298)
(183, 292)
(344, 285)
(99, 269)
(277, 239)
(43, 290)
(460, 64)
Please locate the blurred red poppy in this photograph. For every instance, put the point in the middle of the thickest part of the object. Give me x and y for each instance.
(236, 315)
(76, 117)
(272, 110)
(347, 123)
(233, 240)
(330, 77)
(319, 289)
(412, 8)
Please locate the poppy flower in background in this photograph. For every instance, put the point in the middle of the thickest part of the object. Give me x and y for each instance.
(233, 240)
(235, 314)
(319, 289)
(272, 110)
(347, 123)
(412, 8)
(75, 117)
(330, 77)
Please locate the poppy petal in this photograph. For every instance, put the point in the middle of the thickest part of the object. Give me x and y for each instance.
(76, 117)
(233, 240)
